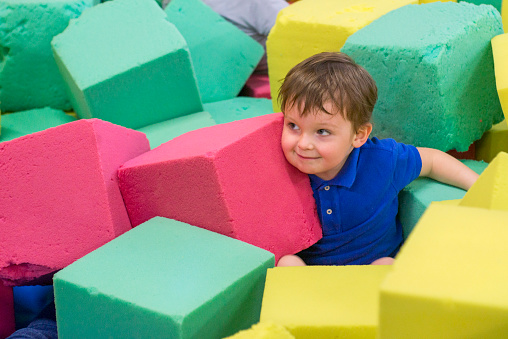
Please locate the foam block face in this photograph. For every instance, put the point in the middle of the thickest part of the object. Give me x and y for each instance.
(416, 197)
(124, 63)
(493, 141)
(324, 301)
(500, 52)
(25, 35)
(162, 279)
(7, 324)
(60, 191)
(238, 108)
(491, 189)
(17, 124)
(309, 27)
(264, 330)
(232, 179)
(223, 58)
(495, 3)
(434, 71)
(454, 288)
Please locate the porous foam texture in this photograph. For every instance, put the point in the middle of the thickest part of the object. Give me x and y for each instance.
(491, 189)
(449, 279)
(7, 323)
(60, 197)
(230, 178)
(222, 55)
(434, 71)
(164, 131)
(500, 52)
(18, 124)
(264, 330)
(417, 196)
(493, 141)
(324, 301)
(29, 77)
(309, 27)
(162, 279)
(123, 62)
(238, 108)
(495, 3)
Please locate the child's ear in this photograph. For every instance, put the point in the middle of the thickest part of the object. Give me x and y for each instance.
(362, 135)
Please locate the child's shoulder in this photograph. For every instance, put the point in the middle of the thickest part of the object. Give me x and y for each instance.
(381, 144)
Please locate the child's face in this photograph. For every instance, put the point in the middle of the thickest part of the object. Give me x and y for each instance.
(317, 143)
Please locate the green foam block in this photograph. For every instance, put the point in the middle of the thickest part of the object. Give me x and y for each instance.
(123, 62)
(238, 108)
(162, 279)
(417, 196)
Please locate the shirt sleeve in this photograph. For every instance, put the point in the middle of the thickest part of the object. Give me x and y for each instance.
(408, 165)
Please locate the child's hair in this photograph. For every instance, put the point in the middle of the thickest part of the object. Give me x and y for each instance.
(330, 76)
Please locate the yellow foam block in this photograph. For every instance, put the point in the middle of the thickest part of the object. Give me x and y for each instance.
(324, 301)
(454, 202)
(450, 278)
(500, 54)
(308, 27)
(429, 1)
(491, 189)
(492, 142)
(266, 330)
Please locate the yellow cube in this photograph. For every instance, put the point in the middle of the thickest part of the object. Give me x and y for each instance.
(324, 301)
(500, 54)
(492, 142)
(450, 278)
(308, 27)
(491, 189)
(266, 330)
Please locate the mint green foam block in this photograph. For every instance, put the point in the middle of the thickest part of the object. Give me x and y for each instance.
(434, 70)
(223, 56)
(164, 131)
(162, 279)
(15, 125)
(29, 76)
(417, 196)
(496, 3)
(123, 62)
(238, 108)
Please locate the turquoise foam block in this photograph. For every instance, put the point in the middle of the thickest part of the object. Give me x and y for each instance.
(15, 125)
(417, 196)
(162, 279)
(496, 3)
(123, 62)
(238, 108)
(434, 70)
(162, 132)
(29, 76)
(223, 56)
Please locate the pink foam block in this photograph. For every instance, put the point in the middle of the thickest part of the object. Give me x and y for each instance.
(60, 197)
(257, 86)
(232, 179)
(7, 324)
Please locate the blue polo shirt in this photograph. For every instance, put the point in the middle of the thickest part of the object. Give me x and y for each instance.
(358, 207)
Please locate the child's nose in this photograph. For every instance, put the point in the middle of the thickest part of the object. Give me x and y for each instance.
(305, 142)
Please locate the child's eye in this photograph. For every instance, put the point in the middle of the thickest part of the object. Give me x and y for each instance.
(323, 132)
(292, 126)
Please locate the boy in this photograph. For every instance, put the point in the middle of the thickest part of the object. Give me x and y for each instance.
(327, 101)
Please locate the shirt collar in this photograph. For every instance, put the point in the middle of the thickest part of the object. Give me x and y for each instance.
(345, 177)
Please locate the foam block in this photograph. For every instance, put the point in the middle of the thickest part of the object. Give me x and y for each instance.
(433, 67)
(59, 190)
(29, 77)
(453, 288)
(17, 124)
(416, 197)
(124, 63)
(230, 178)
(257, 86)
(491, 189)
(309, 27)
(495, 3)
(500, 52)
(7, 324)
(162, 279)
(223, 58)
(493, 141)
(164, 131)
(264, 330)
(324, 301)
(238, 108)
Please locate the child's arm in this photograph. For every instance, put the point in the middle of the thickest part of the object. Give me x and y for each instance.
(445, 168)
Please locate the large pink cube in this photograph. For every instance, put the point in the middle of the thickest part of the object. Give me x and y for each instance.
(59, 195)
(232, 179)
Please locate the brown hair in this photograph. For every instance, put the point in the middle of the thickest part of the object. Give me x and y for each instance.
(330, 76)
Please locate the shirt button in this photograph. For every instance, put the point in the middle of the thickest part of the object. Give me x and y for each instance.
(327, 188)
(329, 211)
